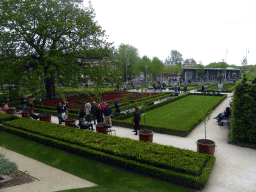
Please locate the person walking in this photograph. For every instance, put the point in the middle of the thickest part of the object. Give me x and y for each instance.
(136, 120)
(117, 104)
(23, 101)
(88, 108)
(185, 88)
(107, 113)
(99, 115)
(94, 109)
(81, 115)
(202, 88)
(65, 105)
(59, 110)
(31, 104)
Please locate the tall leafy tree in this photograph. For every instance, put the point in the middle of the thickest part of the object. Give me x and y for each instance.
(155, 67)
(144, 63)
(51, 42)
(175, 56)
(127, 60)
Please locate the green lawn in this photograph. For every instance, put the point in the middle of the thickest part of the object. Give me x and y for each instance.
(228, 87)
(179, 114)
(109, 178)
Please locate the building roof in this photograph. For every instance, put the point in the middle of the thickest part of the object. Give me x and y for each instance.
(228, 68)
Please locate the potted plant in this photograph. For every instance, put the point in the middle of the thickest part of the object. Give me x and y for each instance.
(205, 145)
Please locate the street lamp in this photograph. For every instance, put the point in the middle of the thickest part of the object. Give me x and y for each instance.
(126, 72)
(146, 74)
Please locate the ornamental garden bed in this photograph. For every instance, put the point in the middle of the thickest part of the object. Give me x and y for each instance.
(180, 166)
(228, 87)
(177, 116)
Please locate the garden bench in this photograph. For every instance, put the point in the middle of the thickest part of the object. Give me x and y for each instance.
(150, 87)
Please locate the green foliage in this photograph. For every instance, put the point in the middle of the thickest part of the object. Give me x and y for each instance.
(243, 128)
(217, 65)
(179, 118)
(127, 60)
(6, 166)
(51, 46)
(7, 117)
(107, 177)
(117, 151)
(175, 56)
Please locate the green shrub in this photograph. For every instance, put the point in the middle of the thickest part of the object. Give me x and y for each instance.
(100, 140)
(6, 167)
(243, 128)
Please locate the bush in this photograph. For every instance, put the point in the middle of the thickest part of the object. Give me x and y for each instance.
(6, 167)
(243, 128)
(187, 168)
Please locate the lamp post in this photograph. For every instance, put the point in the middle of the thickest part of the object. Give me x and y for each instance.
(126, 73)
(246, 57)
(146, 74)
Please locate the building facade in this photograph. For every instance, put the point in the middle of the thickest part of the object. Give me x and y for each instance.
(210, 74)
(189, 62)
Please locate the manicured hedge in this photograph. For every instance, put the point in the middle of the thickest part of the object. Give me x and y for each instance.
(183, 167)
(118, 121)
(7, 117)
(243, 127)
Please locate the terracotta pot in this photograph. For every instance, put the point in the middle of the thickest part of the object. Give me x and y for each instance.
(205, 146)
(46, 117)
(9, 111)
(69, 121)
(102, 127)
(146, 135)
(25, 114)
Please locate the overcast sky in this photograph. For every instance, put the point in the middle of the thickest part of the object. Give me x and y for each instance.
(198, 29)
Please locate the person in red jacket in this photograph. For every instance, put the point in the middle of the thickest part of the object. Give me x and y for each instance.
(5, 107)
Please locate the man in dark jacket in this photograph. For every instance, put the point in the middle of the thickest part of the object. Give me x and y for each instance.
(99, 115)
(94, 109)
(107, 113)
(136, 120)
(117, 104)
(81, 115)
(59, 109)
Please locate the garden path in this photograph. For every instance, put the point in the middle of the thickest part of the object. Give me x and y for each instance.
(49, 178)
(235, 167)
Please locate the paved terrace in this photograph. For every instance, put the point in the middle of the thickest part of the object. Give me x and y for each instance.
(234, 169)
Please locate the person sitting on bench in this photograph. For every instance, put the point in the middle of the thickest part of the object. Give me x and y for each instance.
(224, 115)
(85, 125)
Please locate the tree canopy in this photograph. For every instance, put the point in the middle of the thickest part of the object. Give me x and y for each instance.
(127, 58)
(51, 42)
(175, 56)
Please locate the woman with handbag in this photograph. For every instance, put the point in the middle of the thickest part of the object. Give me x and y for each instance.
(88, 111)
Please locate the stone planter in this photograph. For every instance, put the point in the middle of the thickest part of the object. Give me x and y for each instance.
(146, 135)
(102, 127)
(205, 146)
(46, 117)
(25, 114)
(69, 121)
(9, 111)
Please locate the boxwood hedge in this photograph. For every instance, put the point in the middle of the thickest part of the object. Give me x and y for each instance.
(118, 121)
(184, 167)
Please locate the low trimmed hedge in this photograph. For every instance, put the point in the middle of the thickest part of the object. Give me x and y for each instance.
(118, 121)
(7, 117)
(180, 166)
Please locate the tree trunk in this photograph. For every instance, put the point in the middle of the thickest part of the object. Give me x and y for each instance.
(50, 87)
